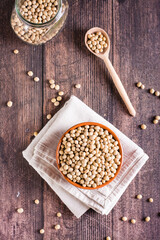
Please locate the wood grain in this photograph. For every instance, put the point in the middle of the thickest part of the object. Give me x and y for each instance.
(136, 56)
(134, 33)
(17, 126)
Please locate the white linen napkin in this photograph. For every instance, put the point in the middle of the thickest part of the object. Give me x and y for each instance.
(41, 155)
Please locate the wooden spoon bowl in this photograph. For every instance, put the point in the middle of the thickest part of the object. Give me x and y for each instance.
(106, 51)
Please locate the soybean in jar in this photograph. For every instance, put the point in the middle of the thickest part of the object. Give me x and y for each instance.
(37, 21)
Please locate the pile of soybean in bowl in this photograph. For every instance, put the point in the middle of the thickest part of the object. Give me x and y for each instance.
(89, 156)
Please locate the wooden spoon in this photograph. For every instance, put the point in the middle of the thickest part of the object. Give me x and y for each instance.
(105, 56)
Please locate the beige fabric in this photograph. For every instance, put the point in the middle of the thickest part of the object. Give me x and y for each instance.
(41, 156)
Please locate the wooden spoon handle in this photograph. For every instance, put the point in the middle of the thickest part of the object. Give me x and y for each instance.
(119, 86)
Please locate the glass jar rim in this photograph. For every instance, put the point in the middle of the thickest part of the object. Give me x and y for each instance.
(54, 19)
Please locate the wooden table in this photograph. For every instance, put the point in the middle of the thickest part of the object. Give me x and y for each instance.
(134, 33)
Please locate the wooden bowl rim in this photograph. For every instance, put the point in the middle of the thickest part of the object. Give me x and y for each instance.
(95, 124)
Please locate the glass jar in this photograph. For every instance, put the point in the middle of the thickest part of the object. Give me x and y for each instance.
(38, 33)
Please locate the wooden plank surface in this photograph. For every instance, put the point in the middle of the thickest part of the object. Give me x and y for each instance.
(134, 33)
(20, 184)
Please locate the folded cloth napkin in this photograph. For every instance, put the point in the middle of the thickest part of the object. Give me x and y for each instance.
(41, 155)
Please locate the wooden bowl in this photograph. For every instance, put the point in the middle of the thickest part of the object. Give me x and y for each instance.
(115, 137)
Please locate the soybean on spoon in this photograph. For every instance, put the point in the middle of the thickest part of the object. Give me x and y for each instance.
(105, 57)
